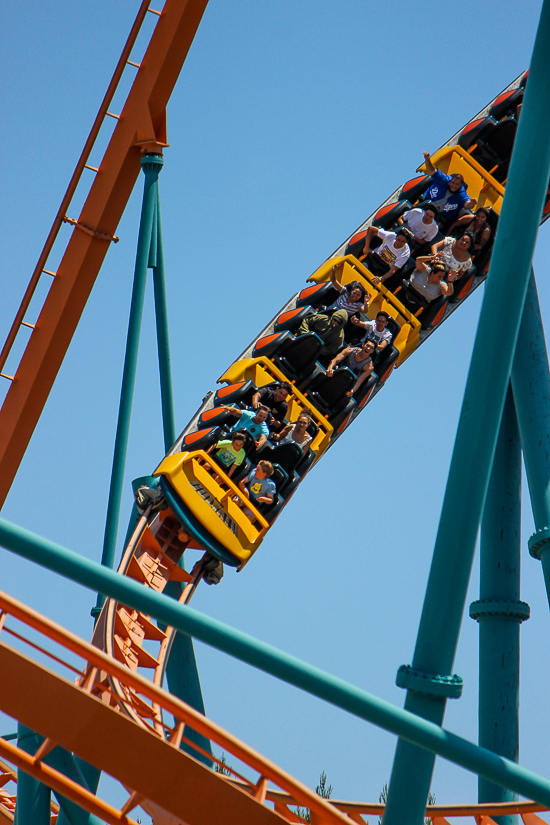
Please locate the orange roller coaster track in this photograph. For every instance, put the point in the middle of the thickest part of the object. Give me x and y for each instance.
(65, 714)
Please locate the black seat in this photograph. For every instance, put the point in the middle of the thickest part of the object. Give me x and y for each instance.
(217, 417)
(306, 462)
(383, 359)
(313, 296)
(287, 456)
(327, 393)
(496, 149)
(292, 319)
(386, 217)
(240, 394)
(297, 357)
(413, 189)
(507, 103)
(478, 129)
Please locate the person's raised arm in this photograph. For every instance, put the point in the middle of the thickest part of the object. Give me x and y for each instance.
(372, 231)
(437, 247)
(337, 359)
(471, 204)
(465, 219)
(366, 372)
(335, 282)
(447, 288)
(256, 399)
(261, 441)
(422, 262)
(278, 437)
(430, 168)
(381, 278)
(233, 410)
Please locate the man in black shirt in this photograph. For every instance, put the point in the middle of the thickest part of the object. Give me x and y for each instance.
(273, 396)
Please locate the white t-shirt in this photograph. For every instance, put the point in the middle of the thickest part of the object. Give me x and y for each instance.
(450, 261)
(388, 252)
(373, 334)
(421, 231)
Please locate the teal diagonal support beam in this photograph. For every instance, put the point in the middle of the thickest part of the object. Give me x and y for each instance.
(331, 689)
(531, 386)
(429, 681)
(151, 165)
(33, 798)
(163, 338)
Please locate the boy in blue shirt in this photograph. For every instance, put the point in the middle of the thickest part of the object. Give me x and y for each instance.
(258, 487)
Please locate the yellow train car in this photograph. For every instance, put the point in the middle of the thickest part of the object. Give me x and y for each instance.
(215, 510)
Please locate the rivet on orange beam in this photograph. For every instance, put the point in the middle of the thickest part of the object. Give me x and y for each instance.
(131, 63)
(47, 272)
(9, 377)
(154, 11)
(26, 324)
(111, 114)
(93, 168)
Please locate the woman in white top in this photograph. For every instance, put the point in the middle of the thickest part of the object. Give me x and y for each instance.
(296, 432)
(455, 254)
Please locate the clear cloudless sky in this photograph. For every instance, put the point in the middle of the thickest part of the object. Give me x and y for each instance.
(291, 121)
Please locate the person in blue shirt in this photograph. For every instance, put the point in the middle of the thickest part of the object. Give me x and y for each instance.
(447, 192)
(254, 421)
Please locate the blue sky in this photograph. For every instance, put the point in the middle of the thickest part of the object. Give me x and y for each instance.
(290, 123)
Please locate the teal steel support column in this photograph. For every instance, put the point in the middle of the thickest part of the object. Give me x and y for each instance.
(531, 386)
(330, 688)
(33, 798)
(86, 775)
(163, 339)
(151, 165)
(499, 610)
(428, 681)
(183, 681)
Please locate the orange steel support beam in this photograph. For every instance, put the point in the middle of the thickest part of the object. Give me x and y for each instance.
(140, 128)
(82, 723)
(114, 743)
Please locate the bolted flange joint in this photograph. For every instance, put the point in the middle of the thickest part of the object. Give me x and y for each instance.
(539, 541)
(500, 609)
(152, 162)
(431, 684)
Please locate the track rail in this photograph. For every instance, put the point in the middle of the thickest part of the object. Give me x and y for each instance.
(76, 717)
(131, 637)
